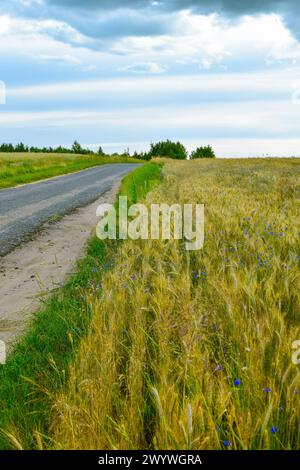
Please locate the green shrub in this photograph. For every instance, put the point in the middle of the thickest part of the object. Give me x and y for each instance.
(168, 149)
(203, 152)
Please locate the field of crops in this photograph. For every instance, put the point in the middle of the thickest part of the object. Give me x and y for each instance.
(192, 350)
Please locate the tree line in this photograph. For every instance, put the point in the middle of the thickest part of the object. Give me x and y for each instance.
(76, 148)
(167, 148)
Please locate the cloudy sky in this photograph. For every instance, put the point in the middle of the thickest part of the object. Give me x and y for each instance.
(124, 73)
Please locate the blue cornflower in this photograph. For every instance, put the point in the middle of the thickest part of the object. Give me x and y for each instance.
(273, 429)
(218, 368)
(95, 269)
(227, 443)
(267, 390)
(237, 382)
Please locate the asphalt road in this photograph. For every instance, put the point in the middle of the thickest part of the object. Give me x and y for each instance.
(24, 209)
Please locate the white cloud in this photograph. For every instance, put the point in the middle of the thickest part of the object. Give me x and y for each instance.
(274, 118)
(64, 59)
(39, 42)
(264, 83)
(144, 67)
(2, 93)
(89, 68)
(30, 29)
(210, 40)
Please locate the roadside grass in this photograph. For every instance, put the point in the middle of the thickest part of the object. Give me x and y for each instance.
(16, 168)
(140, 182)
(38, 367)
(192, 350)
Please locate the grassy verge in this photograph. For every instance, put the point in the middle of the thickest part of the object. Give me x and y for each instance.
(193, 350)
(140, 182)
(26, 168)
(39, 366)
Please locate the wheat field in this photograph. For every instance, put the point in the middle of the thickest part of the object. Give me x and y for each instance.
(193, 350)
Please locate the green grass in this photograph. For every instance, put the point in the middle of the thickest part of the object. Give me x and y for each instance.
(22, 168)
(140, 182)
(38, 368)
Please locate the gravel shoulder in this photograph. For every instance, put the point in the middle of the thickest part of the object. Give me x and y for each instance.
(32, 271)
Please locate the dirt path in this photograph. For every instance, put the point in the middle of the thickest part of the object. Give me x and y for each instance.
(32, 271)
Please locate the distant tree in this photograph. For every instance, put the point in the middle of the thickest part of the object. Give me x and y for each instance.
(141, 156)
(21, 148)
(76, 147)
(60, 149)
(168, 149)
(203, 152)
(126, 153)
(100, 151)
(7, 148)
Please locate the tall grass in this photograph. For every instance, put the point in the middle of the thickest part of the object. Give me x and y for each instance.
(25, 168)
(193, 350)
